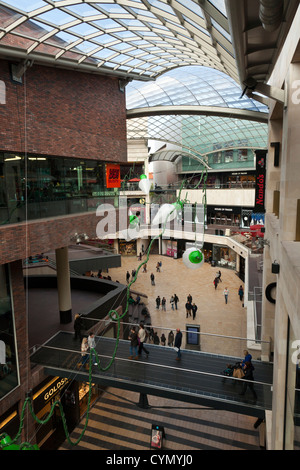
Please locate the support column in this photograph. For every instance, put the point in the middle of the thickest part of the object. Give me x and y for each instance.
(63, 285)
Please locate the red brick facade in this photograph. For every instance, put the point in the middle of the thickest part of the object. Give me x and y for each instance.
(63, 113)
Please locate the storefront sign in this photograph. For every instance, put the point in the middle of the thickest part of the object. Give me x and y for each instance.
(260, 180)
(49, 391)
(113, 176)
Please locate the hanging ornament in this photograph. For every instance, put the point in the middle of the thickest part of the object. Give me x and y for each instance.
(144, 184)
(134, 221)
(193, 258)
(167, 212)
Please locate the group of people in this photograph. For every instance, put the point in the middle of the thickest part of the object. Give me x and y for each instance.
(87, 344)
(190, 307)
(138, 338)
(244, 370)
(216, 282)
(163, 302)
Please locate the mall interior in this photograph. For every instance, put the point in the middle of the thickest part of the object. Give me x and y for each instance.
(111, 112)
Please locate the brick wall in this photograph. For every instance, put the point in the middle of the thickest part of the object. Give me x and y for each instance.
(63, 113)
(18, 241)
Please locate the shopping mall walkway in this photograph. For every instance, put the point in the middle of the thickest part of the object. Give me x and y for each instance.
(117, 423)
(196, 378)
(213, 315)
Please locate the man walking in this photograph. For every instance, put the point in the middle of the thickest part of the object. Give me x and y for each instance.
(188, 308)
(133, 337)
(194, 310)
(248, 371)
(152, 279)
(142, 337)
(92, 345)
(178, 341)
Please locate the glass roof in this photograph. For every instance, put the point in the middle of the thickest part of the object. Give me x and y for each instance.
(135, 38)
(200, 135)
(190, 86)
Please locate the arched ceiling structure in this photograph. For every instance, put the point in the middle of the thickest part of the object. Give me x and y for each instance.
(220, 119)
(138, 39)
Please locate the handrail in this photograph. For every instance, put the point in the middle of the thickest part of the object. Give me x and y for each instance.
(159, 365)
(183, 331)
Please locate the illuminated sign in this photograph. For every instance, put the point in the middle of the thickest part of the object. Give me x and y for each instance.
(49, 391)
(260, 180)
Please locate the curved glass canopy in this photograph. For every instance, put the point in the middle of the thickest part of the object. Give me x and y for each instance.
(203, 135)
(132, 38)
(195, 85)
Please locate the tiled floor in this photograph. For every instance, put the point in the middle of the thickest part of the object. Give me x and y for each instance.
(116, 423)
(213, 315)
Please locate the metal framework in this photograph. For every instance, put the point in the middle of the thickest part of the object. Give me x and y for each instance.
(138, 39)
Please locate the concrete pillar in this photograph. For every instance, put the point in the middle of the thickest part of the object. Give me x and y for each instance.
(279, 375)
(63, 285)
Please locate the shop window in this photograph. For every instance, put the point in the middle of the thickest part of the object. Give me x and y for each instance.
(8, 360)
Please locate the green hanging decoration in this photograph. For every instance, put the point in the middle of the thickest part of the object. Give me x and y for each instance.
(6, 443)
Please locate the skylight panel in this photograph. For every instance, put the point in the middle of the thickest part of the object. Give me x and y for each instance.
(26, 5)
(192, 6)
(220, 5)
(56, 17)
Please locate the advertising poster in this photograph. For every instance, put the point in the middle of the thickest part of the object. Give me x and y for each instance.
(113, 176)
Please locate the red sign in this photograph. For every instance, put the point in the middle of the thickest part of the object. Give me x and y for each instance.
(113, 177)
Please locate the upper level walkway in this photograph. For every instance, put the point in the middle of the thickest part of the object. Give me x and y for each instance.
(198, 378)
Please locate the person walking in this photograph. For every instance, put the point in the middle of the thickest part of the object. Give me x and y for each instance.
(248, 375)
(155, 338)
(142, 335)
(226, 293)
(194, 310)
(158, 268)
(152, 279)
(241, 293)
(84, 353)
(188, 309)
(178, 341)
(78, 327)
(247, 358)
(189, 298)
(216, 282)
(176, 300)
(171, 338)
(133, 337)
(163, 303)
(157, 300)
(92, 345)
(127, 277)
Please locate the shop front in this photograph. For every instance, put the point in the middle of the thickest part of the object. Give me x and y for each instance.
(74, 398)
(127, 248)
(224, 256)
(224, 216)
